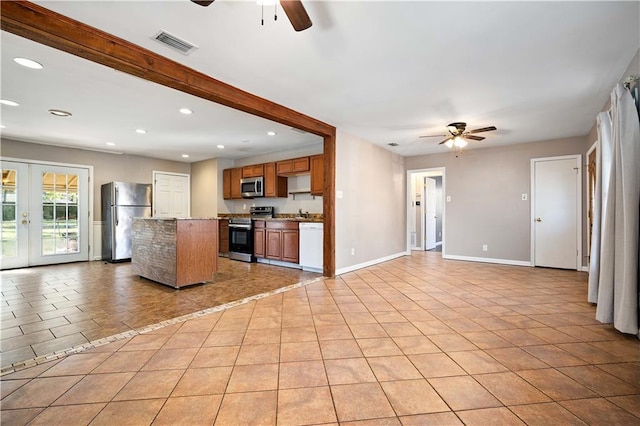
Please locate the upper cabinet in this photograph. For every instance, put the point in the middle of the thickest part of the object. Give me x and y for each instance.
(293, 166)
(275, 176)
(236, 175)
(274, 185)
(317, 174)
(226, 184)
(255, 170)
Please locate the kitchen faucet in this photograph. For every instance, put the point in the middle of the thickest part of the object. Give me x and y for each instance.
(300, 214)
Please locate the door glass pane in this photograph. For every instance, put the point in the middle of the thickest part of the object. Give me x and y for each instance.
(59, 213)
(8, 232)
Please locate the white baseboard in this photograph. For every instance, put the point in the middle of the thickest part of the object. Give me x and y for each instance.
(487, 260)
(371, 262)
(278, 263)
(584, 268)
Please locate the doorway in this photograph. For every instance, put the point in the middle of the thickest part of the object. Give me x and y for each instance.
(425, 209)
(45, 214)
(556, 206)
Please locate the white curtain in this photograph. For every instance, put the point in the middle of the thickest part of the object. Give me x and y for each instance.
(613, 279)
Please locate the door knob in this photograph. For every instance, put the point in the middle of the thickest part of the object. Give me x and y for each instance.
(538, 219)
(24, 221)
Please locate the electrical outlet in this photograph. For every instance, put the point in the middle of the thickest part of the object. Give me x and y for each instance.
(485, 247)
(339, 194)
(353, 251)
(244, 207)
(524, 197)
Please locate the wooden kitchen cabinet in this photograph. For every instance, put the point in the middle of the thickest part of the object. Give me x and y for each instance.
(236, 175)
(274, 185)
(317, 174)
(282, 241)
(254, 170)
(293, 166)
(259, 238)
(226, 184)
(223, 233)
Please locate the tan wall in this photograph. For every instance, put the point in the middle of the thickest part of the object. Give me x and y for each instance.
(204, 188)
(486, 187)
(371, 216)
(106, 167)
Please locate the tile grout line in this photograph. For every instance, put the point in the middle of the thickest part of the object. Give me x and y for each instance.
(12, 368)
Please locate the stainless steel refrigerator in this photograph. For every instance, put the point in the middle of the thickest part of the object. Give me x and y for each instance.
(121, 202)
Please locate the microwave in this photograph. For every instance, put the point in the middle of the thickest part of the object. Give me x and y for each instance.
(252, 187)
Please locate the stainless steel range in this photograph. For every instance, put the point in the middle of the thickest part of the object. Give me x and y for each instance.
(241, 233)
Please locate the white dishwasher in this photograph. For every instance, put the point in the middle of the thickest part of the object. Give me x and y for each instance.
(311, 246)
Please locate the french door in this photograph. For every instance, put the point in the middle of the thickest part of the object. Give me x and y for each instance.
(45, 212)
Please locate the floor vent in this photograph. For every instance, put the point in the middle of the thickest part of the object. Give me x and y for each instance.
(174, 42)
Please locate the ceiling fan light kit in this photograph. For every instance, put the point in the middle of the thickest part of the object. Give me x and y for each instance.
(458, 134)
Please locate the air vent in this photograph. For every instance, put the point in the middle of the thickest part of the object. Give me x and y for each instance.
(392, 144)
(174, 42)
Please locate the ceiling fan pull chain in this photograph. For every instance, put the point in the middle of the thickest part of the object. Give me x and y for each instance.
(262, 11)
(275, 11)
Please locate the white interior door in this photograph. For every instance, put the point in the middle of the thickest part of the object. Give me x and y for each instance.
(171, 195)
(429, 213)
(15, 215)
(556, 212)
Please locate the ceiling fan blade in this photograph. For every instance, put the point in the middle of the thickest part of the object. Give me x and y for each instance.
(296, 13)
(432, 136)
(472, 137)
(203, 2)
(445, 141)
(484, 129)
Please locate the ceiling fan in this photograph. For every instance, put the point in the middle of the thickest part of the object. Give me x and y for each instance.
(457, 134)
(293, 8)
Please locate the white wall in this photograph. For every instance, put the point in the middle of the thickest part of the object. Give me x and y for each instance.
(371, 215)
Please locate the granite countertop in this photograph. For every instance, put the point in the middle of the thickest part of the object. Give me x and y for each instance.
(176, 218)
(291, 217)
(294, 219)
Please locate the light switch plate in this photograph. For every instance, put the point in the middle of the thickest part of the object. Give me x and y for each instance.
(448, 198)
(339, 194)
(524, 197)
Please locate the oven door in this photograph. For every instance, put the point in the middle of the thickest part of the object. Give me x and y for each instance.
(240, 238)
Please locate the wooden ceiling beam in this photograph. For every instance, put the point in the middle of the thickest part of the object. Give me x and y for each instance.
(52, 29)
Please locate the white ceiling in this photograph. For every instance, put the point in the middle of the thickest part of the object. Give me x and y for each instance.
(387, 71)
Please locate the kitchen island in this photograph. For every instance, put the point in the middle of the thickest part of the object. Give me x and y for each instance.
(176, 252)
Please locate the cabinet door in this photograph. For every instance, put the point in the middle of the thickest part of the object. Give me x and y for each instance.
(284, 167)
(254, 170)
(274, 185)
(290, 245)
(258, 242)
(317, 174)
(236, 175)
(226, 184)
(223, 229)
(301, 164)
(273, 244)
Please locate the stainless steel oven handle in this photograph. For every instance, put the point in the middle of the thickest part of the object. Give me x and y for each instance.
(239, 226)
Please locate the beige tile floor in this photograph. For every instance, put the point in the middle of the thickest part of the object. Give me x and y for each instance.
(417, 340)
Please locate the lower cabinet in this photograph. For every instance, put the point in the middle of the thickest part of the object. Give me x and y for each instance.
(223, 232)
(277, 240)
(258, 238)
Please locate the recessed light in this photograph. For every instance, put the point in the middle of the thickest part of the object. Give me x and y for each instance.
(141, 131)
(8, 102)
(29, 63)
(185, 155)
(111, 144)
(271, 133)
(59, 113)
(185, 111)
(220, 146)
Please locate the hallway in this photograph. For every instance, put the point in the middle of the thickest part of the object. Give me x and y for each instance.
(416, 340)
